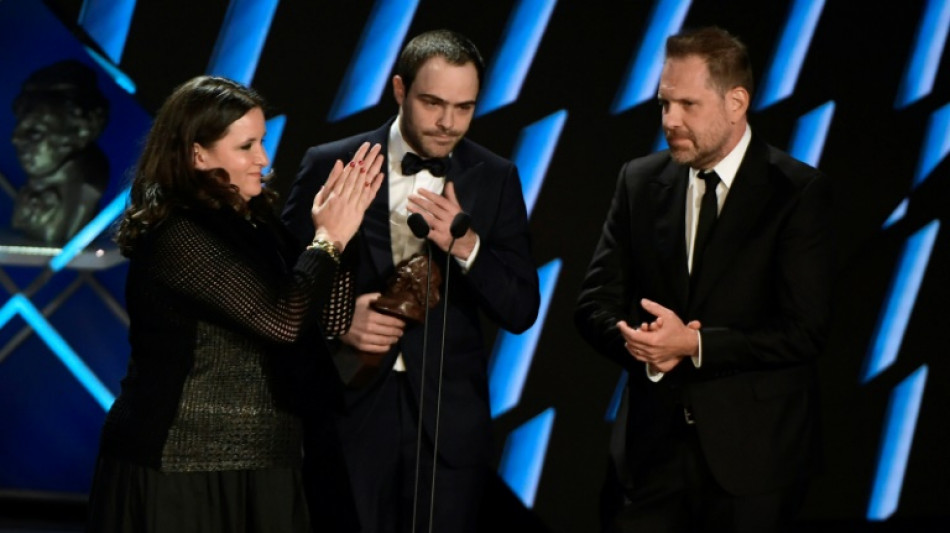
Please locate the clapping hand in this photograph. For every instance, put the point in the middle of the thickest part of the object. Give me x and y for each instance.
(339, 205)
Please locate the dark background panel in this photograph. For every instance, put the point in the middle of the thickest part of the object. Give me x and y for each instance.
(856, 59)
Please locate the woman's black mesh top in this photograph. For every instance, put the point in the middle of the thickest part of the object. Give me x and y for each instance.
(217, 303)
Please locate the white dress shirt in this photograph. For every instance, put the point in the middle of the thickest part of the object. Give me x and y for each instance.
(726, 169)
(404, 243)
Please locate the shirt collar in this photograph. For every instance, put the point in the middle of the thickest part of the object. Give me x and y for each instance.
(729, 166)
(397, 147)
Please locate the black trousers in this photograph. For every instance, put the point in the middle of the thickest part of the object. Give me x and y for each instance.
(381, 455)
(677, 493)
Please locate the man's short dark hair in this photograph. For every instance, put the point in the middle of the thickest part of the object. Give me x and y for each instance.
(454, 47)
(725, 55)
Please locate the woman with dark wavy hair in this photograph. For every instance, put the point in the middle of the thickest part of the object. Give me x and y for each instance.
(205, 435)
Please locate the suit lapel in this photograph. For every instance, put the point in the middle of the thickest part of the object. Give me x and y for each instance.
(669, 201)
(375, 227)
(462, 167)
(748, 198)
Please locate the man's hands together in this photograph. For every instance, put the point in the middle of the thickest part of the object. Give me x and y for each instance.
(663, 343)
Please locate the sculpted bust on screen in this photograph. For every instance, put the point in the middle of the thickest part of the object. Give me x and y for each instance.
(59, 114)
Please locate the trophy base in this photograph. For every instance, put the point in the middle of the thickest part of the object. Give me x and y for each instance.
(404, 309)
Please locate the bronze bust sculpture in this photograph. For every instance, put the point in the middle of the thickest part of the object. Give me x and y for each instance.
(60, 112)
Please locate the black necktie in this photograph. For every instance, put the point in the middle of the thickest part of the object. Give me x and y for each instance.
(413, 164)
(708, 212)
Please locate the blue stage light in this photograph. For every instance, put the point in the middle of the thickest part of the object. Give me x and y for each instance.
(20, 305)
(936, 147)
(898, 213)
(508, 70)
(376, 53)
(512, 356)
(523, 457)
(107, 22)
(121, 78)
(241, 39)
(924, 61)
(275, 130)
(617, 397)
(886, 340)
(808, 141)
(660, 142)
(90, 231)
(936, 144)
(643, 74)
(899, 426)
(793, 45)
(533, 152)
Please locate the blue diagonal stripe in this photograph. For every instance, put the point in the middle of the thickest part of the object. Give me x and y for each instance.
(241, 39)
(275, 130)
(90, 231)
(786, 65)
(533, 152)
(121, 78)
(936, 144)
(898, 213)
(643, 73)
(520, 41)
(660, 142)
(936, 147)
(366, 77)
(523, 457)
(617, 397)
(512, 356)
(924, 61)
(19, 305)
(107, 22)
(901, 297)
(899, 426)
(808, 141)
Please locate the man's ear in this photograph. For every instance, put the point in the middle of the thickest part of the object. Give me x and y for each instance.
(399, 90)
(737, 102)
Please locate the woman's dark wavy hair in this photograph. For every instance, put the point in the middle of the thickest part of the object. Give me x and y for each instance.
(199, 111)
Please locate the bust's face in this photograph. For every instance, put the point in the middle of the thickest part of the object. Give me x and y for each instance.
(46, 136)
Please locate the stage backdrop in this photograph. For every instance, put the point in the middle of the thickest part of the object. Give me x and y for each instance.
(859, 90)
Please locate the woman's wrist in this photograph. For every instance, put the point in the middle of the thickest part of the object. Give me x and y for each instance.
(324, 235)
(331, 248)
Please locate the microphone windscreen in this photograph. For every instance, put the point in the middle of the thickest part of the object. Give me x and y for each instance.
(460, 224)
(418, 225)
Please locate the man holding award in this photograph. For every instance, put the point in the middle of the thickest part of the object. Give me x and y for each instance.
(435, 173)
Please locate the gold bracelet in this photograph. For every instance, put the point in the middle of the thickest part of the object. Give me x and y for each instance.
(327, 247)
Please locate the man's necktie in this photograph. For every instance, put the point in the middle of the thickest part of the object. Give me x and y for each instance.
(413, 164)
(708, 212)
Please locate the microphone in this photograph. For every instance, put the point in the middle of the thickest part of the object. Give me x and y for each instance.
(459, 226)
(420, 228)
(418, 225)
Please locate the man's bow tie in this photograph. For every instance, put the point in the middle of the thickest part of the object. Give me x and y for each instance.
(413, 164)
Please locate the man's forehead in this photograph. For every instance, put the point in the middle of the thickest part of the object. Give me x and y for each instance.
(451, 83)
(685, 73)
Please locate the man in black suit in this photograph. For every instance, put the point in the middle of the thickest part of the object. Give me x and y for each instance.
(491, 270)
(716, 300)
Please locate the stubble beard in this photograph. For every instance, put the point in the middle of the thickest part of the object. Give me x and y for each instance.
(416, 139)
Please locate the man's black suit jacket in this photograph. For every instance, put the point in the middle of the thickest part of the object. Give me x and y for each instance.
(763, 298)
(502, 283)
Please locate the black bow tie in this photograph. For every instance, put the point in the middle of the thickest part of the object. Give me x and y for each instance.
(413, 164)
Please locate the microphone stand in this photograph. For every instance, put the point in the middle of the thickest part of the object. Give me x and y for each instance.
(420, 228)
(459, 227)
